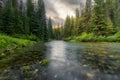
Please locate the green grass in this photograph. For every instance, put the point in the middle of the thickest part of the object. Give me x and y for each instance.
(17, 52)
(7, 41)
(9, 44)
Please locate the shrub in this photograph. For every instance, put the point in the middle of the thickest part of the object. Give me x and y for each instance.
(44, 62)
(84, 37)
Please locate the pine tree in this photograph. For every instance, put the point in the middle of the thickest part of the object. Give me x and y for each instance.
(50, 29)
(85, 18)
(110, 4)
(1, 11)
(117, 13)
(72, 26)
(39, 13)
(8, 18)
(57, 32)
(99, 23)
(34, 24)
(66, 27)
(30, 10)
(42, 20)
(77, 21)
(26, 27)
(17, 18)
(21, 16)
(88, 8)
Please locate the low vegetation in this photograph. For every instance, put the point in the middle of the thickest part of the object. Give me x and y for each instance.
(24, 56)
(90, 37)
(9, 44)
(16, 51)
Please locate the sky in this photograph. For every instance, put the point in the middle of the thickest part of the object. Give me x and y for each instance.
(57, 10)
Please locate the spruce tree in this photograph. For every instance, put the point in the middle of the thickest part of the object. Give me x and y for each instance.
(18, 25)
(39, 13)
(117, 13)
(50, 29)
(26, 27)
(30, 11)
(8, 18)
(42, 21)
(66, 27)
(34, 24)
(85, 18)
(99, 23)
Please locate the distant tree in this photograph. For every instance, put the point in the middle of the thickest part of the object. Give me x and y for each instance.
(77, 21)
(57, 32)
(72, 26)
(66, 27)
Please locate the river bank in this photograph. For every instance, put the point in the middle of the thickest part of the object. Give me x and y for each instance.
(71, 61)
(16, 52)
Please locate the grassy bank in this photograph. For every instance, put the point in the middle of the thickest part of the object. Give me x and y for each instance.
(25, 56)
(9, 44)
(90, 37)
(18, 52)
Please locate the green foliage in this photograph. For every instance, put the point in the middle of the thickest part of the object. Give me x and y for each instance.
(85, 37)
(117, 35)
(99, 21)
(26, 67)
(92, 38)
(27, 37)
(9, 44)
(7, 41)
(44, 62)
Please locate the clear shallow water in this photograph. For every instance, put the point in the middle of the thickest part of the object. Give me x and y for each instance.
(73, 61)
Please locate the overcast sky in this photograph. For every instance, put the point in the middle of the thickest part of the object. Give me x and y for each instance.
(59, 9)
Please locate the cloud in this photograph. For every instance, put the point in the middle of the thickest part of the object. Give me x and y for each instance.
(59, 9)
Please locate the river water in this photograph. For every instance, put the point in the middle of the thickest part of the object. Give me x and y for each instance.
(73, 61)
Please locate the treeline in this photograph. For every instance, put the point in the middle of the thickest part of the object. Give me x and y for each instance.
(101, 18)
(16, 17)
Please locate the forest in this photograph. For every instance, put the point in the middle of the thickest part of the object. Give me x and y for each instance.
(27, 33)
(98, 21)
